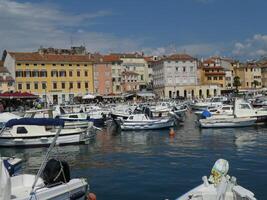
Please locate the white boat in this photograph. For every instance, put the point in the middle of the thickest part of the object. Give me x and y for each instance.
(221, 110)
(12, 164)
(122, 111)
(214, 102)
(219, 186)
(6, 116)
(227, 122)
(39, 132)
(51, 182)
(49, 113)
(143, 122)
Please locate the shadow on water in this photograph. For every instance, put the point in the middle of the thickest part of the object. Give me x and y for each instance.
(152, 165)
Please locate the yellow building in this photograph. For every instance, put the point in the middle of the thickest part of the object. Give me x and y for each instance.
(212, 73)
(248, 74)
(55, 76)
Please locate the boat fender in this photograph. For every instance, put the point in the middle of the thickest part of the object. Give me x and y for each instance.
(91, 196)
(172, 133)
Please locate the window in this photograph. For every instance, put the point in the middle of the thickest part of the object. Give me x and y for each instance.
(28, 86)
(71, 85)
(86, 85)
(28, 73)
(78, 73)
(43, 74)
(10, 83)
(73, 116)
(63, 85)
(54, 73)
(55, 85)
(35, 73)
(220, 78)
(215, 78)
(36, 86)
(70, 64)
(79, 85)
(85, 65)
(209, 78)
(19, 64)
(43, 86)
(27, 64)
(54, 64)
(19, 74)
(62, 65)
(34, 64)
(21, 130)
(19, 86)
(62, 74)
(85, 73)
(43, 64)
(184, 69)
(70, 73)
(78, 65)
(142, 77)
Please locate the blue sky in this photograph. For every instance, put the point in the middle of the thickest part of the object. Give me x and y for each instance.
(200, 27)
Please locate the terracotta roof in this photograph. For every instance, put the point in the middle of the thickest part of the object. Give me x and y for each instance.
(149, 59)
(111, 58)
(35, 56)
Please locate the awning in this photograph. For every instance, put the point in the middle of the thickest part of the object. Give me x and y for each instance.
(18, 95)
(89, 96)
(145, 94)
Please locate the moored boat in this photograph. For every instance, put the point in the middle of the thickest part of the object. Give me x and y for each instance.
(143, 122)
(40, 132)
(227, 122)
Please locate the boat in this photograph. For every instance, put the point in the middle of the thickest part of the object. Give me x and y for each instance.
(143, 122)
(219, 186)
(227, 122)
(13, 165)
(213, 103)
(51, 182)
(222, 110)
(29, 132)
(50, 113)
(6, 116)
(122, 111)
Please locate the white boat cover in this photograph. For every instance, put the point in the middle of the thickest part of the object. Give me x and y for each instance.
(5, 183)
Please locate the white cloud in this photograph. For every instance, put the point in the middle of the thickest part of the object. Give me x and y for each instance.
(251, 48)
(192, 49)
(26, 26)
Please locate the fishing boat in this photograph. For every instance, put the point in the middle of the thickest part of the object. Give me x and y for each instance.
(219, 186)
(51, 182)
(213, 103)
(39, 132)
(227, 122)
(143, 122)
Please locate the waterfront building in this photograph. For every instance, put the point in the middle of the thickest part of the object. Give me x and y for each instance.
(130, 81)
(7, 83)
(56, 75)
(102, 77)
(116, 70)
(135, 62)
(212, 73)
(249, 73)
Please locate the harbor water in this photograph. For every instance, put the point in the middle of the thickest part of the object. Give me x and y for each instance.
(152, 165)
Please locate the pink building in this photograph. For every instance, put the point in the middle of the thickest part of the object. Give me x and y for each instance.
(130, 81)
(102, 77)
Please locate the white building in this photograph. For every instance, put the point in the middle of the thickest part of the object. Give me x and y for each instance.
(176, 76)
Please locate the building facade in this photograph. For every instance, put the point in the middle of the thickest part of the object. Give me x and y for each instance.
(130, 81)
(248, 74)
(55, 75)
(7, 83)
(102, 77)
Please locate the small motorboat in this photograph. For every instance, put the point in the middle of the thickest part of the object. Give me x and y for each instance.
(143, 122)
(40, 132)
(219, 186)
(51, 182)
(227, 122)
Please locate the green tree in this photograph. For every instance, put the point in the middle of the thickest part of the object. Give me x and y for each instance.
(255, 83)
(236, 82)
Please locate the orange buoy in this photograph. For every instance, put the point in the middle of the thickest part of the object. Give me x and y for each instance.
(91, 196)
(171, 133)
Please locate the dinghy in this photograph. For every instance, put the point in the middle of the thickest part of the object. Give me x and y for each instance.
(219, 186)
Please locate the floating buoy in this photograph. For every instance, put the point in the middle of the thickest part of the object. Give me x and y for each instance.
(172, 133)
(91, 196)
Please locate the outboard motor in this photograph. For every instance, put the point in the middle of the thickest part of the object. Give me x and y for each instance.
(56, 171)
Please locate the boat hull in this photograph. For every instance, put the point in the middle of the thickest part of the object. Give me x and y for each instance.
(146, 126)
(226, 123)
(67, 139)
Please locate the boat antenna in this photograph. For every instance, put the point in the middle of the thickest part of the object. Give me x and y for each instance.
(52, 145)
